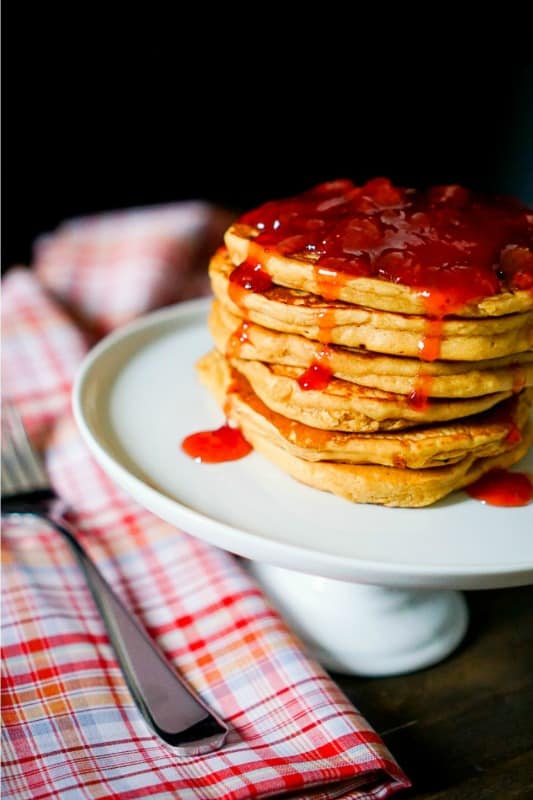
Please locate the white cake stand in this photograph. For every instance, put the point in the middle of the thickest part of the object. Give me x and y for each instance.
(370, 590)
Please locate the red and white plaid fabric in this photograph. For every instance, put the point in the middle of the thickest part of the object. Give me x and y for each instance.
(110, 268)
(71, 729)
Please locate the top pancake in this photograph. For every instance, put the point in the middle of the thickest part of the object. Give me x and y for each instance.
(301, 273)
(435, 252)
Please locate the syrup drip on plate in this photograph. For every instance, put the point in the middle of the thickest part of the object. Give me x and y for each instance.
(213, 447)
(500, 487)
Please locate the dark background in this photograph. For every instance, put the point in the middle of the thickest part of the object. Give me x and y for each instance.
(102, 113)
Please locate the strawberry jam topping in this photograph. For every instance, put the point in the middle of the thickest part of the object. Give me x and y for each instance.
(248, 277)
(450, 244)
(499, 487)
(315, 377)
(212, 447)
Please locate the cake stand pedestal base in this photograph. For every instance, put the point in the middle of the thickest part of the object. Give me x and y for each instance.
(366, 630)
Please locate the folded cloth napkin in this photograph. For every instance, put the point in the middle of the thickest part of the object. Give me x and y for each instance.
(71, 729)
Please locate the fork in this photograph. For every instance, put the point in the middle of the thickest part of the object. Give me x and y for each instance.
(169, 706)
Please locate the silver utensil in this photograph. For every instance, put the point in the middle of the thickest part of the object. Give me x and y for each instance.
(169, 706)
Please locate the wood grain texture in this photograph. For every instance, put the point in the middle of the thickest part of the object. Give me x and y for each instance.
(464, 728)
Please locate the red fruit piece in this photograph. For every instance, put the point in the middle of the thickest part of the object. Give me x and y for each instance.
(294, 244)
(383, 192)
(517, 266)
(360, 234)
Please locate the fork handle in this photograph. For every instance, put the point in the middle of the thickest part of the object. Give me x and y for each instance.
(171, 708)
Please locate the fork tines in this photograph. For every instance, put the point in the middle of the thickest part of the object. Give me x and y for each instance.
(22, 470)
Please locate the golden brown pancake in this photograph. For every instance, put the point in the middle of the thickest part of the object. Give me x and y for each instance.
(388, 486)
(453, 379)
(300, 273)
(370, 483)
(482, 435)
(344, 406)
(305, 314)
(377, 341)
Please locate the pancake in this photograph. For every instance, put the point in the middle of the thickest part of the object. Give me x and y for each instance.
(344, 406)
(371, 483)
(301, 273)
(376, 341)
(438, 251)
(388, 486)
(305, 314)
(488, 434)
(454, 379)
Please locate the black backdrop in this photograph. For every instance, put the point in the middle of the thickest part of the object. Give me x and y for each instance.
(144, 109)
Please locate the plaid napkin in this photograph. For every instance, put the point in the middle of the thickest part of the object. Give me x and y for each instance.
(71, 729)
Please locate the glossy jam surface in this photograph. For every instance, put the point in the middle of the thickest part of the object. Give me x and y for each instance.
(248, 277)
(212, 447)
(499, 487)
(449, 244)
(316, 377)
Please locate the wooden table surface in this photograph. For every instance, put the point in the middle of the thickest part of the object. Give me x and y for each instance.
(463, 729)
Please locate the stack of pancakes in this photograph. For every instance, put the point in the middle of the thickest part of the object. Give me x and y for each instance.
(376, 342)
